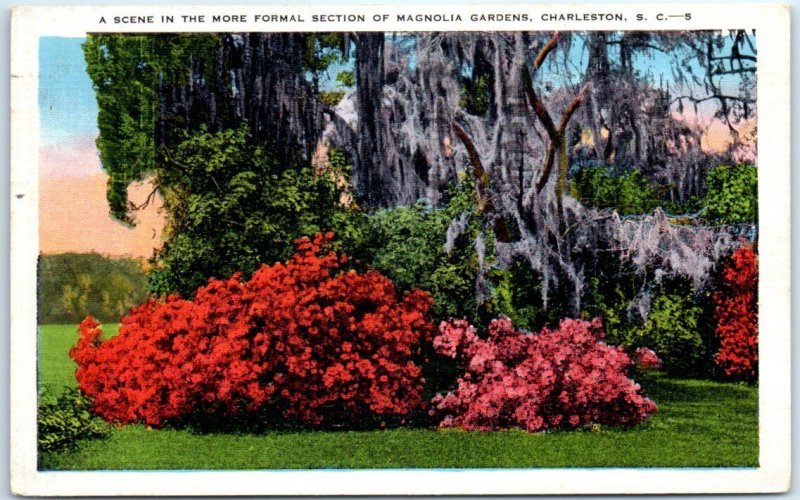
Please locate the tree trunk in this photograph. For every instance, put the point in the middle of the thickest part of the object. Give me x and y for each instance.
(370, 171)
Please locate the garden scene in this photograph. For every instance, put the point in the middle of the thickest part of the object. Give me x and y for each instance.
(398, 250)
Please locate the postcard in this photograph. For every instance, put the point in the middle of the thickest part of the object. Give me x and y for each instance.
(400, 249)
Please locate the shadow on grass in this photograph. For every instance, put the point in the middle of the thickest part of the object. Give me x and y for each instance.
(270, 420)
(668, 390)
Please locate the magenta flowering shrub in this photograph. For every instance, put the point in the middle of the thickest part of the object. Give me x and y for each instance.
(562, 378)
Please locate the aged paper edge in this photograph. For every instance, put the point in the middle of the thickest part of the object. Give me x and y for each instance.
(771, 22)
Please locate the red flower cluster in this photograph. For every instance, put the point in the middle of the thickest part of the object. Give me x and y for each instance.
(320, 346)
(560, 378)
(737, 316)
(646, 359)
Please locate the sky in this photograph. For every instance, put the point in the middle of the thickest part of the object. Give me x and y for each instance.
(67, 105)
(73, 211)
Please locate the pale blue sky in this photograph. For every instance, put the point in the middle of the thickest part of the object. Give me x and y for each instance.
(67, 104)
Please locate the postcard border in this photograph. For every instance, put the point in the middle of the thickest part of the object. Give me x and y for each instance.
(772, 24)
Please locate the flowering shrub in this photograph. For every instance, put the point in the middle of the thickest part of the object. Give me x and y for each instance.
(736, 315)
(319, 347)
(560, 378)
(646, 359)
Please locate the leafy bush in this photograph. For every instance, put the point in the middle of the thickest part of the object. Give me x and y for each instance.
(72, 286)
(233, 207)
(677, 327)
(517, 294)
(676, 330)
(407, 244)
(736, 316)
(408, 247)
(317, 347)
(561, 378)
(63, 420)
(628, 193)
(732, 194)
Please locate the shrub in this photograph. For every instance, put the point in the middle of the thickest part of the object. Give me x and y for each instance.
(736, 316)
(407, 244)
(732, 194)
(561, 378)
(517, 294)
(63, 420)
(232, 206)
(408, 247)
(318, 348)
(646, 359)
(675, 329)
(628, 193)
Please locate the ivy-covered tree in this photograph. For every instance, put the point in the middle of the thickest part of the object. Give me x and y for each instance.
(152, 89)
(129, 72)
(233, 206)
(231, 158)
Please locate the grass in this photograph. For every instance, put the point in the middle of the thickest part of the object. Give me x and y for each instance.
(56, 369)
(699, 424)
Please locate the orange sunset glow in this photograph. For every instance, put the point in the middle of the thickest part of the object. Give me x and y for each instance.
(73, 212)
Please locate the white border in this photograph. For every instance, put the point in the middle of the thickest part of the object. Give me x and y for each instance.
(772, 25)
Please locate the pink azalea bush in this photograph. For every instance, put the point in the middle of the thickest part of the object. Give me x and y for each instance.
(646, 359)
(563, 378)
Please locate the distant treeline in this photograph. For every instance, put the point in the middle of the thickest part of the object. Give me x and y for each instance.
(75, 285)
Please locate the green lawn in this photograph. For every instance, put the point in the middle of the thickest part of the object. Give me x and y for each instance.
(699, 424)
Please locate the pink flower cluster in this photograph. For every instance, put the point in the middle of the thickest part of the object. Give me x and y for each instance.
(646, 359)
(563, 378)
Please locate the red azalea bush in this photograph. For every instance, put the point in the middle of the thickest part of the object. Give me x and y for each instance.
(320, 346)
(560, 378)
(736, 315)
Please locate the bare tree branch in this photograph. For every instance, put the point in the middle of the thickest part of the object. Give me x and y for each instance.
(479, 173)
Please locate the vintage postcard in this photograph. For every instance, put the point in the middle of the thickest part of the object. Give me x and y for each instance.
(424, 249)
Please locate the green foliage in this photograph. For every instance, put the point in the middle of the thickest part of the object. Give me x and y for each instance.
(346, 78)
(676, 329)
(628, 193)
(322, 50)
(340, 164)
(732, 194)
(609, 299)
(331, 97)
(130, 71)
(690, 206)
(517, 293)
(407, 245)
(475, 95)
(65, 419)
(233, 207)
(126, 71)
(72, 286)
